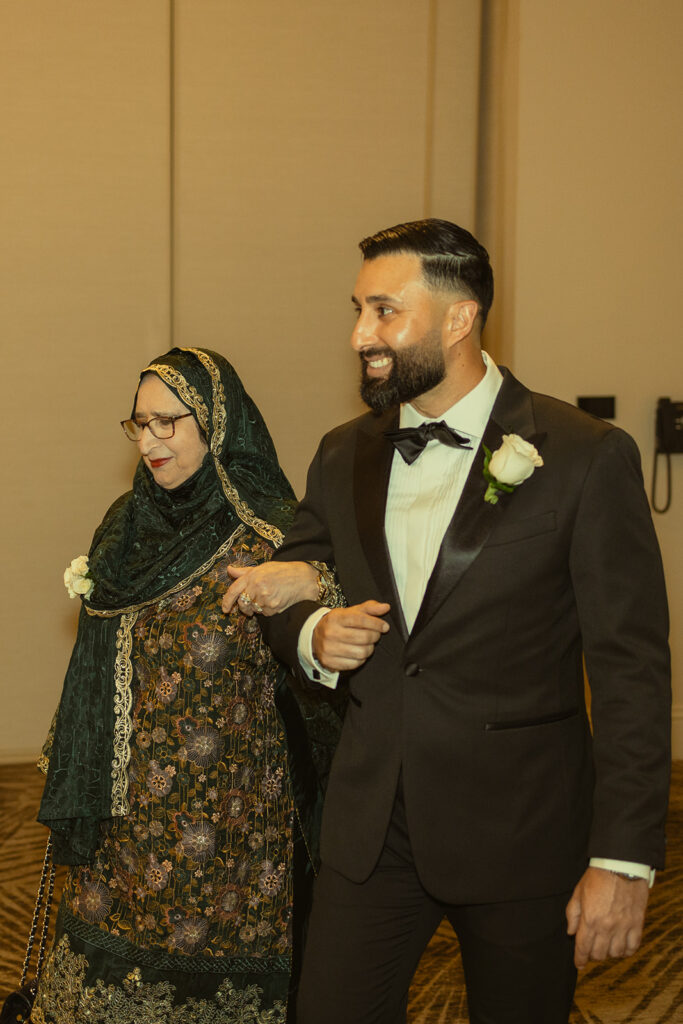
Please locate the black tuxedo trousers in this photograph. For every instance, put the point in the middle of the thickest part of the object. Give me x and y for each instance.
(365, 941)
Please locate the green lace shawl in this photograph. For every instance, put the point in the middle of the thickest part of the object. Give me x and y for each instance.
(151, 542)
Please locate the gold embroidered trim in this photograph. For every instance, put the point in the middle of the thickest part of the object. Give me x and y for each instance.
(245, 513)
(225, 546)
(243, 510)
(43, 762)
(123, 724)
(218, 394)
(64, 997)
(330, 593)
(187, 392)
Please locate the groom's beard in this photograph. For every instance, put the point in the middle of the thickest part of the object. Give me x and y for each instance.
(414, 370)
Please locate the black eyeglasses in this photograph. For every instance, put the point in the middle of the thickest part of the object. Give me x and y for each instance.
(161, 427)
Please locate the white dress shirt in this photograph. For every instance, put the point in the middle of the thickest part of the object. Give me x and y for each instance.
(423, 496)
(421, 500)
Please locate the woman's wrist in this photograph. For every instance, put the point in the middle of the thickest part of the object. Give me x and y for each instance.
(328, 591)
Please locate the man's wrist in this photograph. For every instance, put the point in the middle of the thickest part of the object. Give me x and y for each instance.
(313, 669)
(632, 871)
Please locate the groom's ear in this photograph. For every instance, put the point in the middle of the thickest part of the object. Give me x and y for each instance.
(460, 319)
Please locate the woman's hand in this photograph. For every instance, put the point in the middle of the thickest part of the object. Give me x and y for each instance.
(271, 587)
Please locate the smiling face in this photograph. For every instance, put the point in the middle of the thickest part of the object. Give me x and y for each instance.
(401, 331)
(173, 460)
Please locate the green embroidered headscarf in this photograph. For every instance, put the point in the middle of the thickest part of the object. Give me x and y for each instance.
(152, 542)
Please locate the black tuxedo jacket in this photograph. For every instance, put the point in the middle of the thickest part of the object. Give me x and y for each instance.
(482, 706)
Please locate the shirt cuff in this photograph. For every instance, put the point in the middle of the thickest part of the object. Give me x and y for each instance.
(625, 867)
(313, 669)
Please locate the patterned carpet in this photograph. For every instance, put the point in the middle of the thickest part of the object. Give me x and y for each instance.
(646, 989)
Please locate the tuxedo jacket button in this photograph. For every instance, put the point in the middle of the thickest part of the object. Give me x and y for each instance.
(412, 669)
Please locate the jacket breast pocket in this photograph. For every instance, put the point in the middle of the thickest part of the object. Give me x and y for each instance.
(523, 529)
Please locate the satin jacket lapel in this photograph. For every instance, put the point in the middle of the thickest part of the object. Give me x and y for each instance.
(371, 471)
(474, 518)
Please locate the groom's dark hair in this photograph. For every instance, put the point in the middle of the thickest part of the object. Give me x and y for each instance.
(452, 258)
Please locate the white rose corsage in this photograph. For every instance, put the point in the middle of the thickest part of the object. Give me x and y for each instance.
(509, 466)
(77, 579)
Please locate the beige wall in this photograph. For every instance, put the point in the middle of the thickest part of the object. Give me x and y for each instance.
(213, 160)
(300, 128)
(84, 295)
(595, 254)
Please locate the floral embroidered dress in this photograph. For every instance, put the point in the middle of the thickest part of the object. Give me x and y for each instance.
(185, 817)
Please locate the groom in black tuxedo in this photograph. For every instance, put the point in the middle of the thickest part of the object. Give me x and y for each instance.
(468, 782)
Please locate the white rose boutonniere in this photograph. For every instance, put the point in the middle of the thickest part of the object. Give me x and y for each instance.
(509, 466)
(77, 579)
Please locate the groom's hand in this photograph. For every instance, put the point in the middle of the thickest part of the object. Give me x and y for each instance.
(345, 638)
(606, 914)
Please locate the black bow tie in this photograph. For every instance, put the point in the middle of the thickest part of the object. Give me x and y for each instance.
(411, 441)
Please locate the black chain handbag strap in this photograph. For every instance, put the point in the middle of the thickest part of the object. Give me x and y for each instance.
(18, 1005)
(47, 877)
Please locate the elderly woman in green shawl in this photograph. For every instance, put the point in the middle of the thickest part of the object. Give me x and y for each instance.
(180, 769)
